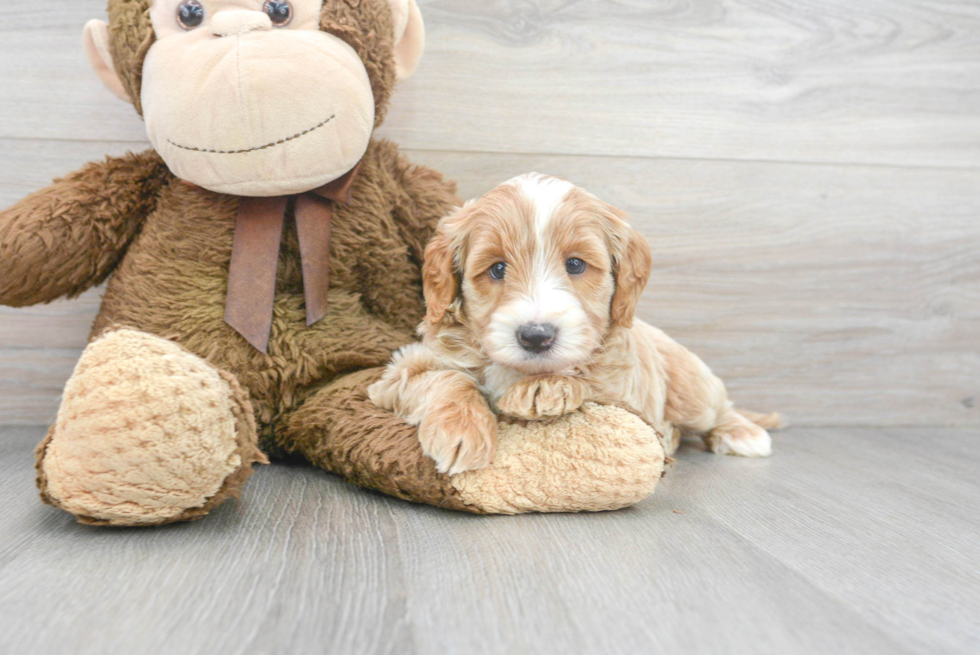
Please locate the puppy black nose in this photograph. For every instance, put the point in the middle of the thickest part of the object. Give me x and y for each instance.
(537, 338)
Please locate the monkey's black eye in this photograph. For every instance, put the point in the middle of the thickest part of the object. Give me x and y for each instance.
(575, 266)
(498, 270)
(280, 12)
(190, 14)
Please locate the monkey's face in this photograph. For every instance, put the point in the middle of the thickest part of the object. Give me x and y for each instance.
(249, 97)
(259, 97)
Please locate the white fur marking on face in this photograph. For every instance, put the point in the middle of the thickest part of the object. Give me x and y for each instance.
(547, 194)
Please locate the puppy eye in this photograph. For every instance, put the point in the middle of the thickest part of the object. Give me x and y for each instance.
(280, 12)
(190, 14)
(498, 270)
(575, 266)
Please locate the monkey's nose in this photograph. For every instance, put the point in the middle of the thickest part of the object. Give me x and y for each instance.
(233, 22)
(537, 338)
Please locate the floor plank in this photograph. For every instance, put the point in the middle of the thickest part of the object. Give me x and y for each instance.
(836, 295)
(303, 565)
(854, 517)
(874, 81)
(841, 543)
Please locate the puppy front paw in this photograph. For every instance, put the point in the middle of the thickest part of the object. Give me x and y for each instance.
(542, 396)
(383, 392)
(459, 435)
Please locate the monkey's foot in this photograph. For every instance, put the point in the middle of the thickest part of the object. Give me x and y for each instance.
(147, 433)
(599, 458)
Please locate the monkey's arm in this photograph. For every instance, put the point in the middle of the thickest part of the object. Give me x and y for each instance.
(69, 237)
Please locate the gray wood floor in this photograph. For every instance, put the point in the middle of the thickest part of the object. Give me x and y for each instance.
(848, 541)
(807, 174)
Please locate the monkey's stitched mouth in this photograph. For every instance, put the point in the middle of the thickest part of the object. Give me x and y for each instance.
(246, 150)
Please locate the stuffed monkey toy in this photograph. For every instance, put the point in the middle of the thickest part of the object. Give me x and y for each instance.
(263, 262)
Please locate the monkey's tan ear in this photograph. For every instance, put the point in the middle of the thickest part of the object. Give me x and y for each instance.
(96, 38)
(409, 37)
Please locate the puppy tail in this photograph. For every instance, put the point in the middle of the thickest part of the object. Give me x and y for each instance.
(768, 421)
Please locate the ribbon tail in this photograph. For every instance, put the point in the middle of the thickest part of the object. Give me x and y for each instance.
(313, 218)
(252, 274)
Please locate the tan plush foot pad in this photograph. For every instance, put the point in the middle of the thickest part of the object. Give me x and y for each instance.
(601, 458)
(147, 433)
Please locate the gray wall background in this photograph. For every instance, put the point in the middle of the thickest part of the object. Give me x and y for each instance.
(807, 172)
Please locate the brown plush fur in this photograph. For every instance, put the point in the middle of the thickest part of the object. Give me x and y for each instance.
(130, 38)
(71, 236)
(168, 246)
(173, 283)
(342, 431)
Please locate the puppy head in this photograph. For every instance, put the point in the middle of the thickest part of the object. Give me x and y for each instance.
(539, 270)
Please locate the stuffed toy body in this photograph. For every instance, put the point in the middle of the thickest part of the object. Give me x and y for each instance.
(265, 262)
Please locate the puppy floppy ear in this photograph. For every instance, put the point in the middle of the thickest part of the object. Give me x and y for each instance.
(632, 261)
(439, 283)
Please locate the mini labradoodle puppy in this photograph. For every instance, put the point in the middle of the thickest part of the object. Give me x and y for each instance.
(531, 292)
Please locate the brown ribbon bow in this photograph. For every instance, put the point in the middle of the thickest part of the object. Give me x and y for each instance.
(255, 256)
